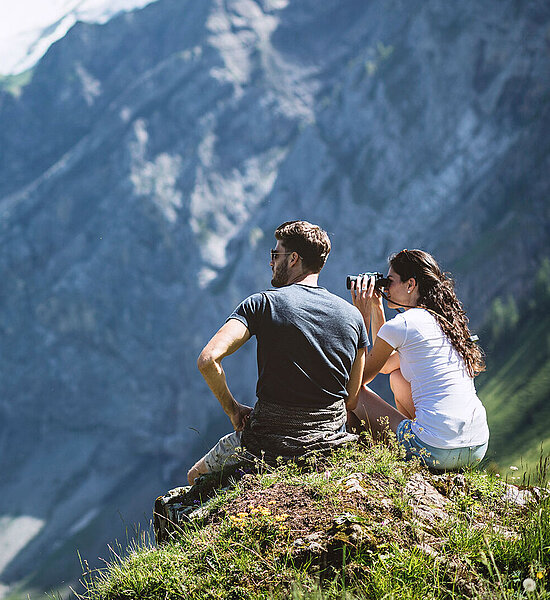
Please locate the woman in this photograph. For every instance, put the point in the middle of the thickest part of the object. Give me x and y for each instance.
(431, 359)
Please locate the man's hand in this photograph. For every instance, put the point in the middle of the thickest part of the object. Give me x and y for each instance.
(240, 416)
(227, 340)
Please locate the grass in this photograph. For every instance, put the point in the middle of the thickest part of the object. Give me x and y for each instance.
(351, 526)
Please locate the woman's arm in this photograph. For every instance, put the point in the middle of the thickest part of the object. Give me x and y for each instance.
(376, 359)
(392, 364)
(369, 302)
(378, 318)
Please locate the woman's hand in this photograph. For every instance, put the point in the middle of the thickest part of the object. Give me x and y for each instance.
(365, 296)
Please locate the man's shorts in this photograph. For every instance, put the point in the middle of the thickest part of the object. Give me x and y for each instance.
(226, 453)
(443, 459)
(229, 451)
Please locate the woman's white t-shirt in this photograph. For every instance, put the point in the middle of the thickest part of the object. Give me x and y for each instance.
(449, 413)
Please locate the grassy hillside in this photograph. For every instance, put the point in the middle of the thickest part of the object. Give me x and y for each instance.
(516, 387)
(516, 393)
(362, 524)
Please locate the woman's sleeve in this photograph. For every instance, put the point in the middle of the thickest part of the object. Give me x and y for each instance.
(394, 332)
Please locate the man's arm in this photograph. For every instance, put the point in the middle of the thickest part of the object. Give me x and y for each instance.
(354, 383)
(229, 338)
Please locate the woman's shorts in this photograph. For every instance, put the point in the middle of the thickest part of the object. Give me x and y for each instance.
(442, 459)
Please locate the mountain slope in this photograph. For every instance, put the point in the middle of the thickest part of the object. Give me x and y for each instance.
(516, 388)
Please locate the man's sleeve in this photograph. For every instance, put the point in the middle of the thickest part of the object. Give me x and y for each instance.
(248, 312)
(363, 336)
(394, 332)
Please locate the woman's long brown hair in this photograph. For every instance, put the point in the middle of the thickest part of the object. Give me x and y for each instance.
(437, 295)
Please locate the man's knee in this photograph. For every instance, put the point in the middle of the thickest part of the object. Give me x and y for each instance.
(192, 474)
(198, 469)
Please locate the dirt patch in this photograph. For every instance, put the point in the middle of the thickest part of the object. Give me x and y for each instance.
(362, 513)
(303, 509)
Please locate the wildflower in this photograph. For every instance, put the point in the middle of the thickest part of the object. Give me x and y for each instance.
(272, 502)
(512, 468)
(237, 521)
(529, 584)
(540, 575)
(243, 515)
(282, 517)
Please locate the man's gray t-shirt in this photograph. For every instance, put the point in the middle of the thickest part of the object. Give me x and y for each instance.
(307, 340)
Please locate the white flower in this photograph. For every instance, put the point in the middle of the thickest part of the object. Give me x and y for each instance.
(512, 468)
(529, 585)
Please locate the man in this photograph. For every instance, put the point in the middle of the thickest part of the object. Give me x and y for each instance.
(311, 354)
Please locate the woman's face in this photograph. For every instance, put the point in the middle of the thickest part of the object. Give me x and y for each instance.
(401, 292)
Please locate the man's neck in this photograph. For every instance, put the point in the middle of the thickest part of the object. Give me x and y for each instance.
(305, 279)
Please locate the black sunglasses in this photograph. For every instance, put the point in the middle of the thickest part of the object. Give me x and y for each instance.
(275, 253)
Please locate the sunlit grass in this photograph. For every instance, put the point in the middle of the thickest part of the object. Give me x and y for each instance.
(371, 545)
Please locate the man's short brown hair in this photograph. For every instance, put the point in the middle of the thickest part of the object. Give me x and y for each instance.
(309, 241)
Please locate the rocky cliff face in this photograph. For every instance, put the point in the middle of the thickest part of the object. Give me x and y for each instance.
(144, 169)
